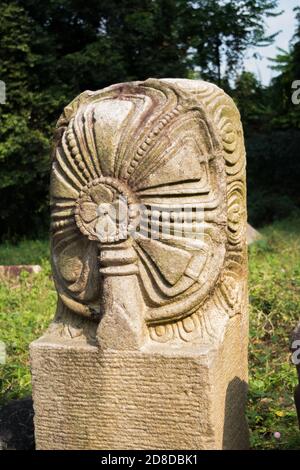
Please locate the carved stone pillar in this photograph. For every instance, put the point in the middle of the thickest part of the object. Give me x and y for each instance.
(148, 348)
(295, 350)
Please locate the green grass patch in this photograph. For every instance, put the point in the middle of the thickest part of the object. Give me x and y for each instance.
(274, 288)
(25, 252)
(27, 306)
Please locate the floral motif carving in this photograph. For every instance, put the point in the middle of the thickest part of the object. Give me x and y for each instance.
(162, 145)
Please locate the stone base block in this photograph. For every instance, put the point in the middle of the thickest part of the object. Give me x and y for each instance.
(190, 398)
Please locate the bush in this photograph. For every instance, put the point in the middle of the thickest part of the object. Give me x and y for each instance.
(273, 175)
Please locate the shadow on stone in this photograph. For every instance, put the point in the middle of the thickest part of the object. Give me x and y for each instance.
(235, 424)
(295, 343)
(297, 401)
(16, 425)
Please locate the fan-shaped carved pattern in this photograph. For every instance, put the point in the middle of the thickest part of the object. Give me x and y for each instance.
(161, 145)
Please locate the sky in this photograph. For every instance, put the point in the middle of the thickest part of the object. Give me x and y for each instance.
(287, 24)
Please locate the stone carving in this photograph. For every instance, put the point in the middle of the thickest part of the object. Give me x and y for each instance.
(295, 343)
(148, 348)
(157, 145)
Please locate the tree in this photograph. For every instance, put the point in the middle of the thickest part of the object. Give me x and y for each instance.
(23, 147)
(53, 50)
(252, 100)
(286, 113)
(273, 137)
(220, 32)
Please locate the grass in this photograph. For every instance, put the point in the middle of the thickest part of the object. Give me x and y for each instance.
(27, 306)
(26, 252)
(274, 285)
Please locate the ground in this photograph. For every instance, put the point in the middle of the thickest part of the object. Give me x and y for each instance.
(27, 305)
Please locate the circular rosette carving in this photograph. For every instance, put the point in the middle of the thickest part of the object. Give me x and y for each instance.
(105, 210)
(143, 162)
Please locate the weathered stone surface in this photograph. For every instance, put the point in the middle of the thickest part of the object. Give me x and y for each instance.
(149, 260)
(156, 398)
(252, 235)
(295, 348)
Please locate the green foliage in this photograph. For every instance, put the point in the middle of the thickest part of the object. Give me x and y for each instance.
(27, 306)
(24, 147)
(53, 50)
(221, 32)
(273, 175)
(252, 101)
(65, 46)
(271, 121)
(286, 113)
(25, 252)
(274, 313)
